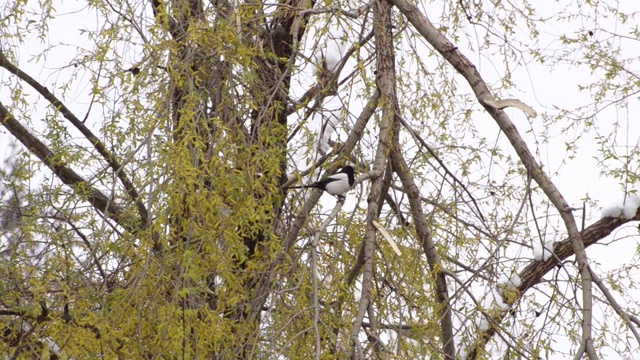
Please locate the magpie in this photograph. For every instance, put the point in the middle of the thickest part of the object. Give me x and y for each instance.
(337, 184)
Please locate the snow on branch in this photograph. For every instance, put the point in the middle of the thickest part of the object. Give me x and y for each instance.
(627, 207)
(542, 251)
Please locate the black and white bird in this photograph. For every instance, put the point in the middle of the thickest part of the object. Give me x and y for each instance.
(337, 184)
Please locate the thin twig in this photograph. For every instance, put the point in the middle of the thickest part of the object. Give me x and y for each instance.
(423, 143)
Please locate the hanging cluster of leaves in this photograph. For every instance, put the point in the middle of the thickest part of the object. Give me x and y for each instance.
(144, 213)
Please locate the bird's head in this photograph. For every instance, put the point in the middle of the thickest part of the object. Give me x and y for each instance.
(347, 169)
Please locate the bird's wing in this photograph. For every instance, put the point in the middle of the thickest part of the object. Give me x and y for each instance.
(338, 184)
(324, 181)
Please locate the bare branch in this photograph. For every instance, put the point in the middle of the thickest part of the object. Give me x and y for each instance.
(386, 84)
(481, 90)
(444, 167)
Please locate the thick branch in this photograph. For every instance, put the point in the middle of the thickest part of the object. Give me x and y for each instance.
(429, 248)
(386, 85)
(160, 13)
(533, 273)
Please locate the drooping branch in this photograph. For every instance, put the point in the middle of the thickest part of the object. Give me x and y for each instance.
(100, 201)
(429, 248)
(114, 164)
(387, 84)
(46, 314)
(628, 319)
(440, 162)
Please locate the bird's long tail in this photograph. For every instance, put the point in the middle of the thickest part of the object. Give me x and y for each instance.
(298, 187)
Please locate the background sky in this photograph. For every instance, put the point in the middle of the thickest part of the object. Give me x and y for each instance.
(548, 88)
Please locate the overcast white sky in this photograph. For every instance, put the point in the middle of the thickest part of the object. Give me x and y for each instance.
(545, 89)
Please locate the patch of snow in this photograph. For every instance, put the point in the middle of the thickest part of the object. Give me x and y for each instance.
(330, 55)
(463, 353)
(333, 55)
(612, 210)
(627, 207)
(542, 252)
(515, 281)
(631, 204)
(483, 324)
(493, 300)
(329, 117)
